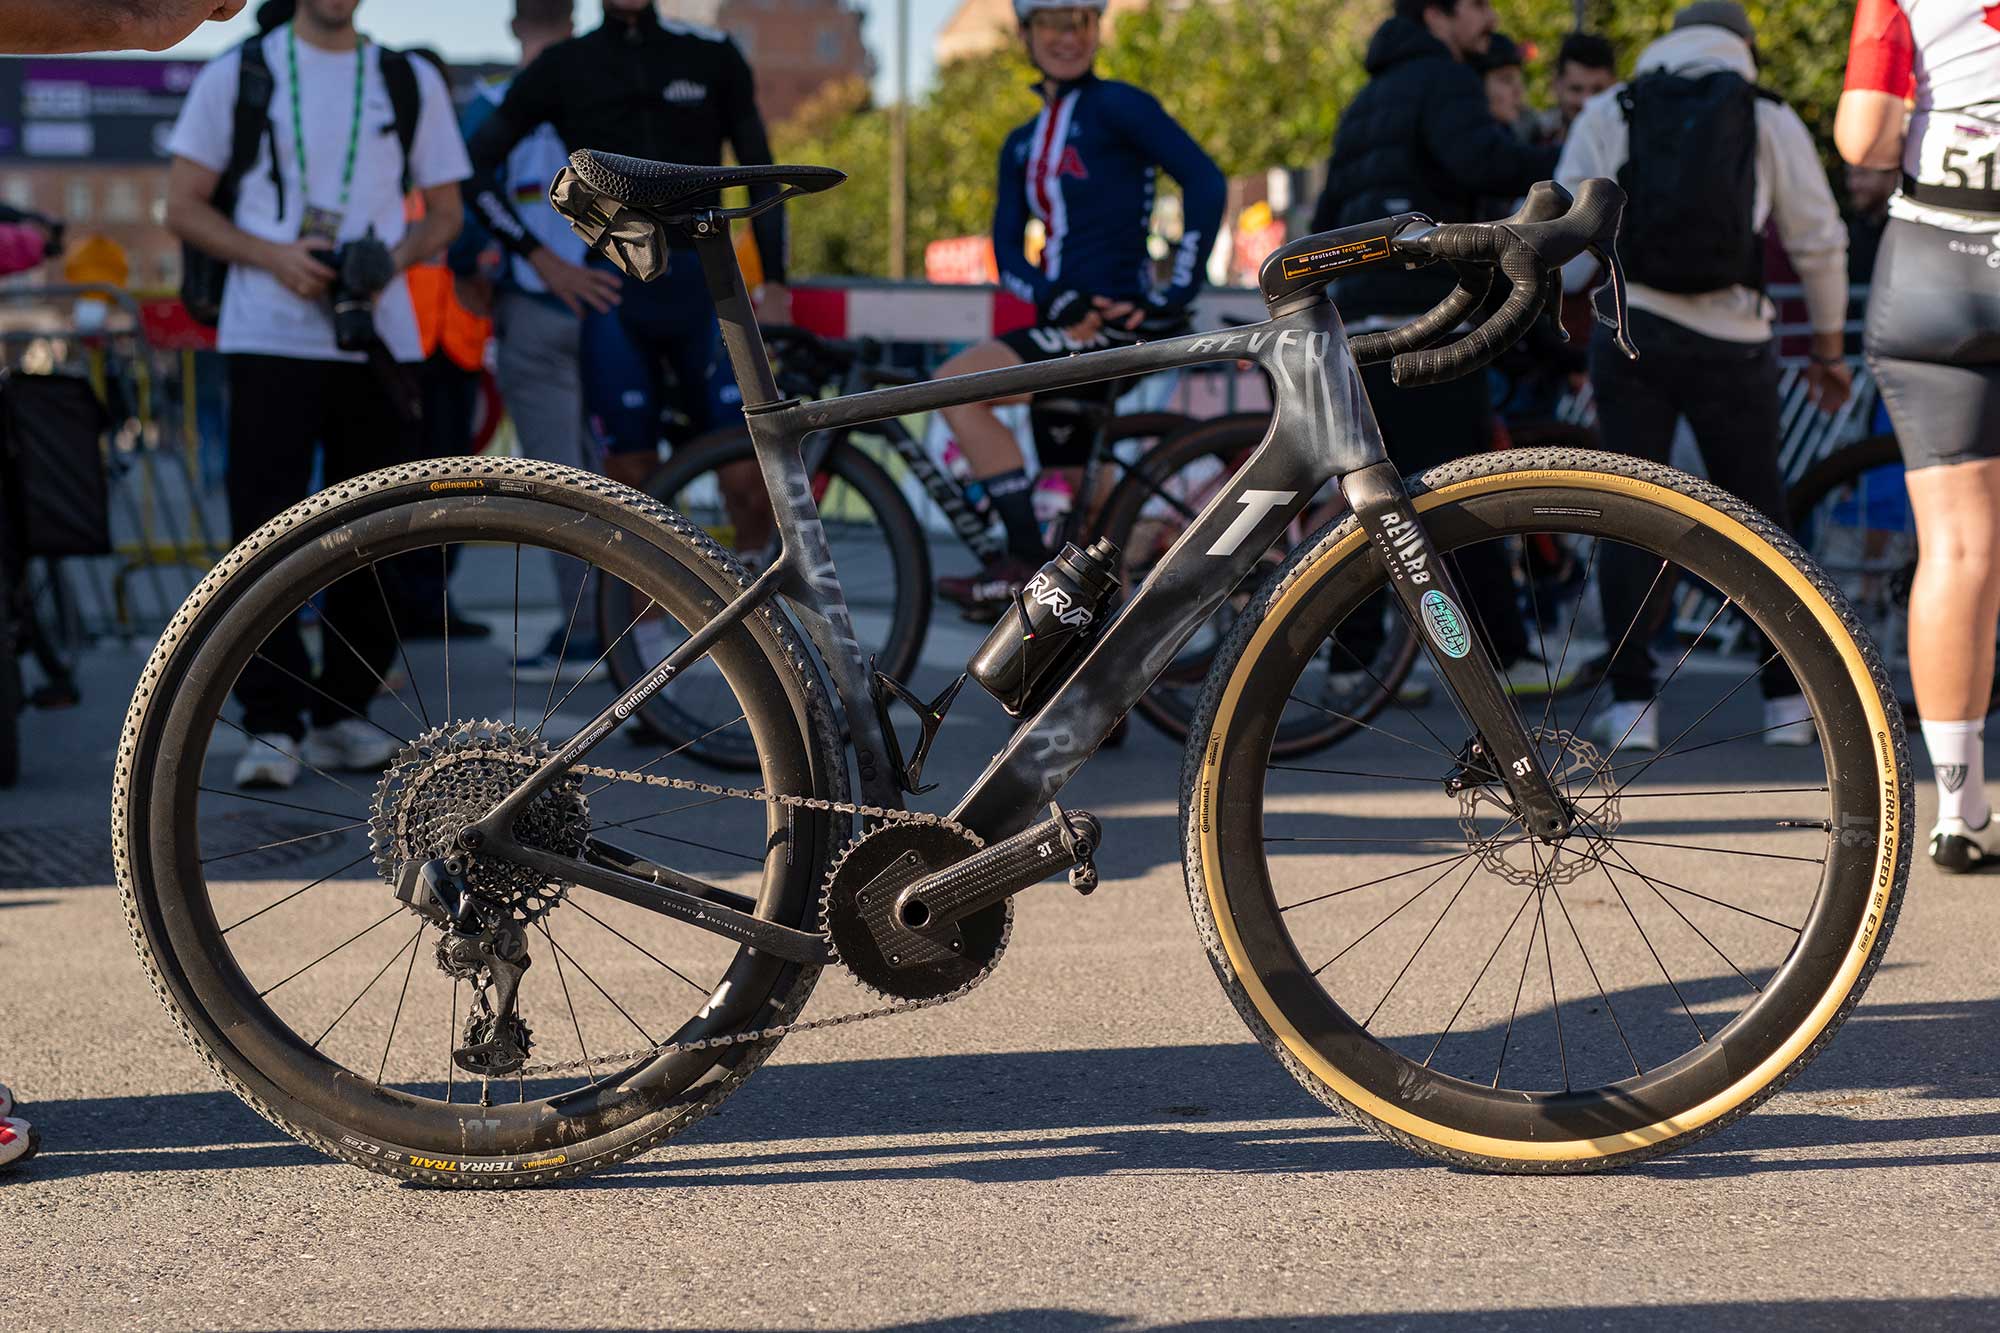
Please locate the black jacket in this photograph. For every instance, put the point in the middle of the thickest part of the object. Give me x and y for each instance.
(1419, 138)
(667, 91)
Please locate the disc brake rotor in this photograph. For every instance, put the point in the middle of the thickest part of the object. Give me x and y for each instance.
(1582, 776)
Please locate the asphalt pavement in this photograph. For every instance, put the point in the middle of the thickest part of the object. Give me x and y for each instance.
(1091, 1140)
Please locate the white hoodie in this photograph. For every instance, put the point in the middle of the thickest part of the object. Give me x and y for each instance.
(1791, 187)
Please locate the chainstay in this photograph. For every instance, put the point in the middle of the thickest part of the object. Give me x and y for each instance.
(882, 813)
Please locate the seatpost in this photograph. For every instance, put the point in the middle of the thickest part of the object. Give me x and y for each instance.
(740, 337)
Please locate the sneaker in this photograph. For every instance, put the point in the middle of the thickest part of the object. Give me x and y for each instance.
(576, 662)
(1788, 721)
(350, 746)
(1953, 848)
(270, 764)
(984, 597)
(1531, 676)
(18, 1142)
(6, 1102)
(1628, 725)
(454, 626)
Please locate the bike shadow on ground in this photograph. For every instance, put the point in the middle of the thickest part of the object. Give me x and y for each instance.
(1078, 1114)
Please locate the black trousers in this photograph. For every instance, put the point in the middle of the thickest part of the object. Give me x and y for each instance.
(283, 412)
(1422, 429)
(450, 403)
(1728, 391)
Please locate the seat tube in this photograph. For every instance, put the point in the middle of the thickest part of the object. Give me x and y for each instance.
(740, 337)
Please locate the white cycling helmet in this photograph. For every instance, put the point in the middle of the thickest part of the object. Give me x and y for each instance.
(1023, 8)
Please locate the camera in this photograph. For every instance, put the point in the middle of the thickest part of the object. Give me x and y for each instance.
(361, 269)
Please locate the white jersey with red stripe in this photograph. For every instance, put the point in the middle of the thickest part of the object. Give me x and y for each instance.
(1943, 56)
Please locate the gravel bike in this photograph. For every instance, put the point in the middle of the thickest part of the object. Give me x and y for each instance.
(873, 533)
(1570, 959)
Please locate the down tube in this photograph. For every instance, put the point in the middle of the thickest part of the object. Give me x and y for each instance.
(1321, 427)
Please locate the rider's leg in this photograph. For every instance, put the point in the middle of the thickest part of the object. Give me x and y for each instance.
(621, 384)
(1954, 606)
(991, 450)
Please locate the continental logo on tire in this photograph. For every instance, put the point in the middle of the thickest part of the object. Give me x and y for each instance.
(543, 1163)
(468, 484)
(1445, 625)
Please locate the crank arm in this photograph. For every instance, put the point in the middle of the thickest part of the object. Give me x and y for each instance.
(613, 857)
(931, 908)
(700, 909)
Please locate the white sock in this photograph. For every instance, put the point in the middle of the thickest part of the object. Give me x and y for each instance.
(1958, 758)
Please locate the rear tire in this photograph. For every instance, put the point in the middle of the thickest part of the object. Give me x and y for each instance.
(229, 991)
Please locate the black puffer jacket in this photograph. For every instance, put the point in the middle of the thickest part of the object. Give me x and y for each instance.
(1419, 138)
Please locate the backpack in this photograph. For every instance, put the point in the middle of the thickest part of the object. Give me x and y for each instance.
(1690, 182)
(203, 276)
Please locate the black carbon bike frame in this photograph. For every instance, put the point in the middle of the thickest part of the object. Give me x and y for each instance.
(1322, 429)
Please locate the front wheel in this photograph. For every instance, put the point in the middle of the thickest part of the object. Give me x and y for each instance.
(1502, 1003)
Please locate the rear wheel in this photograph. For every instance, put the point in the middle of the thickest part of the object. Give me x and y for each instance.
(270, 919)
(1506, 1004)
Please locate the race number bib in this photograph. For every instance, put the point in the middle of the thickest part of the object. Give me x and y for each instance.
(1958, 149)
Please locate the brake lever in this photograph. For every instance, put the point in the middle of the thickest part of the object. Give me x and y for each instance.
(1606, 255)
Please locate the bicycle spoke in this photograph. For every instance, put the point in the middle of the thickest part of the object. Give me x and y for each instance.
(1631, 869)
(582, 972)
(1350, 773)
(326, 622)
(285, 842)
(1576, 610)
(1555, 1002)
(255, 740)
(368, 855)
(685, 745)
(451, 1044)
(1719, 791)
(590, 670)
(1527, 954)
(444, 578)
(689, 842)
(1469, 991)
(514, 665)
(1617, 1026)
(1394, 696)
(1405, 740)
(575, 1022)
(562, 653)
(1440, 878)
(659, 814)
(331, 952)
(402, 649)
(698, 987)
(343, 706)
(382, 1069)
(1647, 940)
(1713, 851)
(282, 805)
(1470, 871)
(1718, 902)
(410, 948)
(1611, 661)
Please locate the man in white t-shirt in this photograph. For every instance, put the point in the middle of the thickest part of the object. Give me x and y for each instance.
(328, 174)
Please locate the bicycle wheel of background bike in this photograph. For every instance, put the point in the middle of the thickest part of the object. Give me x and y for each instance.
(269, 919)
(1510, 1005)
(878, 550)
(1147, 514)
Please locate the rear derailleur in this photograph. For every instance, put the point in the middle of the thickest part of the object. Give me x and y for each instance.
(482, 944)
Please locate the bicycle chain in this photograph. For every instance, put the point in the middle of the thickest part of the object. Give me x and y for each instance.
(882, 813)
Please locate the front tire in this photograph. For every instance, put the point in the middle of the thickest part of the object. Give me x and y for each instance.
(1408, 1070)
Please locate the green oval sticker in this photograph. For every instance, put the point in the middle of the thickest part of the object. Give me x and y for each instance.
(1446, 625)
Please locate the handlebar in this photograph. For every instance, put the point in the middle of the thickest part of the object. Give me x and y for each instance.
(1527, 249)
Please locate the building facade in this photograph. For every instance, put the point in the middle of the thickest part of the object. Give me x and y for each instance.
(795, 47)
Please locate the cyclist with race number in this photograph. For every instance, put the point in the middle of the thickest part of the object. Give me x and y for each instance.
(1923, 97)
(1086, 167)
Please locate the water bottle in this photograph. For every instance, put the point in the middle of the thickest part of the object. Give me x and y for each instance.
(1050, 624)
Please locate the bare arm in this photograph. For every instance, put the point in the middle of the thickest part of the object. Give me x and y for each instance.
(432, 235)
(1868, 128)
(192, 217)
(43, 27)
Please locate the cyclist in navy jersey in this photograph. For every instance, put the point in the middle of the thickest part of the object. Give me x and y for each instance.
(1087, 168)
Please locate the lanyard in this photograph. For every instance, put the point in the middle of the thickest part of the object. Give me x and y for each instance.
(298, 118)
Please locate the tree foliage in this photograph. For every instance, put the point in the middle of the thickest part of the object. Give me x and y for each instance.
(1260, 83)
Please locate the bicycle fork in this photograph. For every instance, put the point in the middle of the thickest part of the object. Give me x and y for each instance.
(1501, 747)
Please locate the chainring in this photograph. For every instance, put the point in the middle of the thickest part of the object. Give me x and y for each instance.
(448, 778)
(855, 912)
